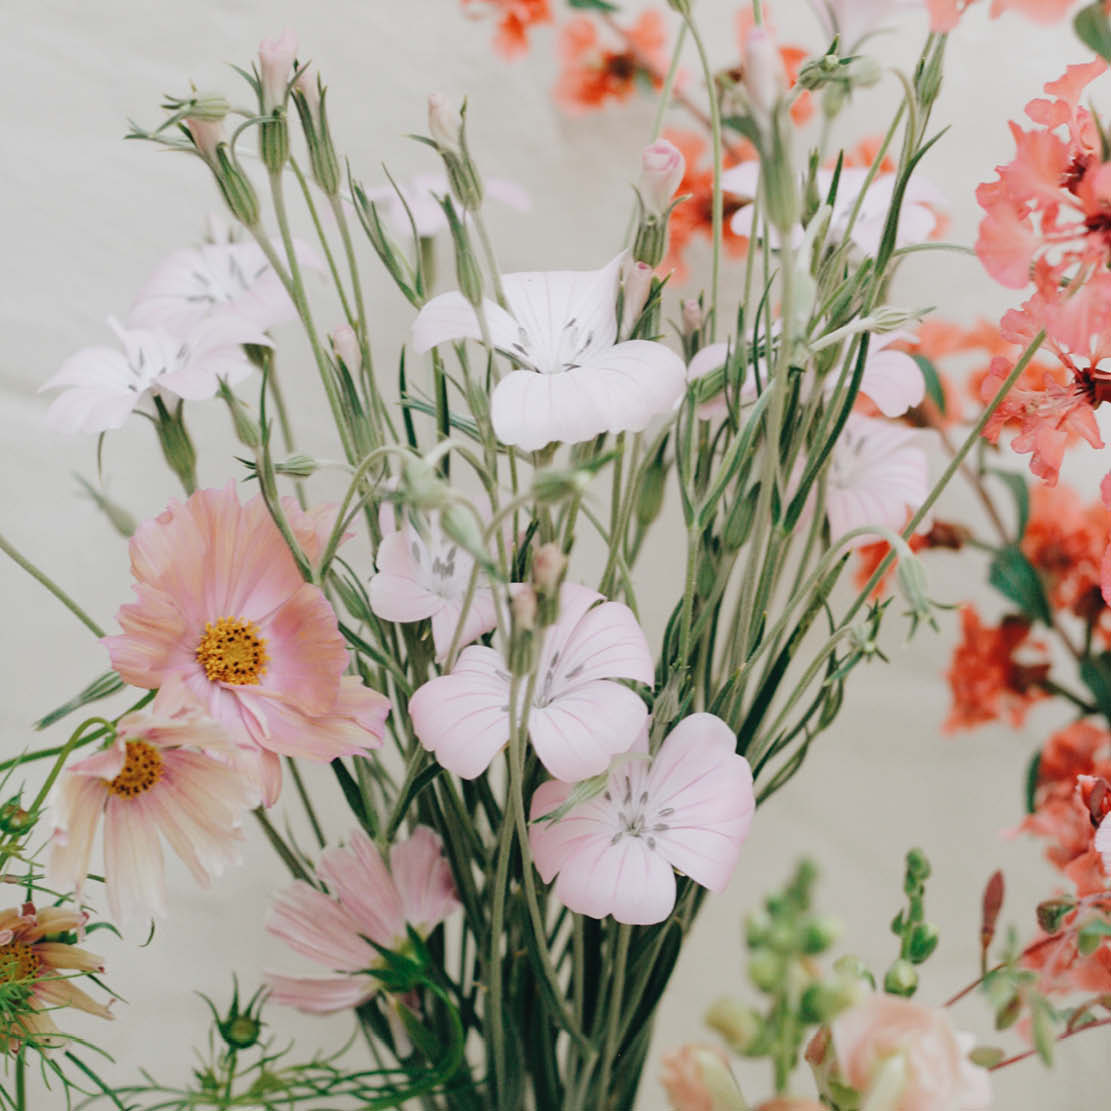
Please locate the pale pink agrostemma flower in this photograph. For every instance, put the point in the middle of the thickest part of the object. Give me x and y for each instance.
(426, 576)
(367, 902)
(877, 474)
(102, 386)
(579, 717)
(222, 606)
(574, 380)
(170, 775)
(686, 809)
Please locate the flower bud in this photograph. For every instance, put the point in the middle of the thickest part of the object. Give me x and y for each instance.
(459, 524)
(549, 565)
(901, 979)
(765, 79)
(423, 488)
(766, 970)
(444, 123)
(297, 466)
(309, 99)
(207, 135)
(819, 934)
(697, 1078)
(661, 170)
(636, 285)
(738, 1025)
(307, 83)
(922, 941)
(650, 495)
(238, 192)
(246, 431)
(523, 606)
(693, 316)
(241, 1029)
(14, 820)
(1053, 912)
(275, 60)
(345, 344)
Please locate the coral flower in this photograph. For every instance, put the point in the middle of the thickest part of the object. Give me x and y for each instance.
(987, 680)
(698, 1078)
(167, 777)
(688, 809)
(103, 385)
(36, 957)
(222, 606)
(427, 576)
(909, 1052)
(576, 382)
(515, 18)
(593, 73)
(579, 717)
(876, 475)
(368, 903)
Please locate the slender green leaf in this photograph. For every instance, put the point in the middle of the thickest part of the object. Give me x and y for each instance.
(1012, 574)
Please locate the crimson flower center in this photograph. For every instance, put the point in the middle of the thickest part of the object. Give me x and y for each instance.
(231, 651)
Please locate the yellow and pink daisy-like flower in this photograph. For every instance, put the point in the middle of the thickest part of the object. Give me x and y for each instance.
(35, 957)
(222, 607)
(170, 775)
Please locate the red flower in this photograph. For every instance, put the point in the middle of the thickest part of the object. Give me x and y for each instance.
(593, 73)
(515, 17)
(987, 681)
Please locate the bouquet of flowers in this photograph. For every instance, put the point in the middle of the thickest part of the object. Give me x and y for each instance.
(445, 606)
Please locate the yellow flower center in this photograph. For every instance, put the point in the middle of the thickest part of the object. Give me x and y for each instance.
(231, 651)
(141, 770)
(18, 963)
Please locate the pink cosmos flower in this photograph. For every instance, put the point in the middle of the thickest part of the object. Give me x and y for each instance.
(913, 1052)
(876, 474)
(222, 606)
(420, 193)
(103, 385)
(169, 775)
(368, 902)
(231, 279)
(688, 809)
(38, 958)
(427, 577)
(574, 381)
(579, 717)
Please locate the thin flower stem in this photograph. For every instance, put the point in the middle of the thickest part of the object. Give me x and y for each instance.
(306, 801)
(617, 992)
(1064, 1037)
(333, 269)
(669, 82)
(495, 1020)
(22, 561)
(491, 259)
(289, 858)
(715, 136)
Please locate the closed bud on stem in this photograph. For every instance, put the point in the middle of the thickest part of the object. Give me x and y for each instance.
(1053, 912)
(459, 524)
(636, 285)
(819, 934)
(14, 820)
(780, 188)
(764, 78)
(661, 169)
(207, 133)
(275, 60)
(444, 123)
(177, 447)
(766, 970)
(549, 486)
(549, 565)
(650, 244)
(693, 316)
(467, 271)
(310, 99)
(740, 1026)
(421, 484)
(524, 608)
(345, 344)
(901, 979)
(922, 941)
(448, 127)
(650, 494)
(297, 466)
(246, 430)
(241, 1029)
(238, 192)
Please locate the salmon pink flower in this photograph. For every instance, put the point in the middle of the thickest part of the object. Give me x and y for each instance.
(222, 606)
(698, 1078)
(593, 73)
(987, 679)
(169, 775)
(579, 717)
(368, 902)
(877, 473)
(232, 279)
(913, 1052)
(515, 18)
(687, 809)
(37, 956)
(425, 574)
(576, 382)
(103, 385)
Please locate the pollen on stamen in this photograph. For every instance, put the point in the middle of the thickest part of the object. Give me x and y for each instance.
(142, 769)
(231, 651)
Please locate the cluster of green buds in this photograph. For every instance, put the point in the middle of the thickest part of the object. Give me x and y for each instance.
(917, 937)
(783, 940)
(836, 77)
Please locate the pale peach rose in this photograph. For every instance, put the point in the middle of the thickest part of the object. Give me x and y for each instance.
(697, 1078)
(912, 1053)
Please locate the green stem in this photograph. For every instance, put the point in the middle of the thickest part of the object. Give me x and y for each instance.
(296, 868)
(51, 585)
(613, 1022)
(306, 801)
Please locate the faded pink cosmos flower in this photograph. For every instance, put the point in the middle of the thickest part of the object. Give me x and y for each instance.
(427, 576)
(222, 607)
(368, 902)
(911, 1053)
(686, 810)
(38, 958)
(575, 381)
(170, 775)
(579, 717)
(661, 169)
(877, 473)
(225, 279)
(103, 385)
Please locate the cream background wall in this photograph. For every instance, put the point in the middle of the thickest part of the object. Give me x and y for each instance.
(84, 216)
